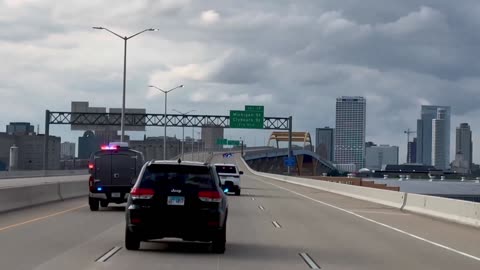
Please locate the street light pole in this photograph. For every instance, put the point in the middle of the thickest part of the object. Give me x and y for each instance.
(165, 118)
(165, 129)
(122, 117)
(125, 38)
(193, 141)
(183, 130)
(183, 139)
(199, 145)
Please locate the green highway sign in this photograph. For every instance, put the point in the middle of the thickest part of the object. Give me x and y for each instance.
(252, 117)
(227, 142)
(254, 108)
(222, 141)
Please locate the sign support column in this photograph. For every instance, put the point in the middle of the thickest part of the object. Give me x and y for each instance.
(45, 143)
(290, 153)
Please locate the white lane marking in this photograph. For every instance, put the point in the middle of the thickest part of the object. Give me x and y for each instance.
(109, 254)
(253, 199)
(276, 224)
(261, 208)
(309, 261)
(380, 223)
(380, 212)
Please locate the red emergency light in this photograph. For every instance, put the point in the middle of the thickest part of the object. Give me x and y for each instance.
(109, 147)
(90, 166)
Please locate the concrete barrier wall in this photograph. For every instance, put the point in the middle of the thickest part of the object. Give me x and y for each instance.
(73, 189)
(20, 197)
(385, 197)
(462, 212)
(454, 210)
(25, 174)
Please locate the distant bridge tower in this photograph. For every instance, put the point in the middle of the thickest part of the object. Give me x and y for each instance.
(296, 137)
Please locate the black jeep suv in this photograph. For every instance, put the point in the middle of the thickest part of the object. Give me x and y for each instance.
(177, 199)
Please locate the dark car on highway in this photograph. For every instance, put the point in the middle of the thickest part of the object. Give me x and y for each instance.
(175, 199)
(113, 171)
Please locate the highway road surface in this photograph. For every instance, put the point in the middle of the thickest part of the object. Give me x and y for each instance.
(273, 225)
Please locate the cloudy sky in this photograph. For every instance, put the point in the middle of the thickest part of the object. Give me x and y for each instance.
(294, 57)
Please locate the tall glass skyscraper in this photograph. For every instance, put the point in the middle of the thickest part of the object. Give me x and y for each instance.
(439, 140)
(324, 142)
(425, 134)
(464, 144)
(350, 123)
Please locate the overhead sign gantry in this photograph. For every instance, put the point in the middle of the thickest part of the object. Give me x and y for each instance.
(172, 120)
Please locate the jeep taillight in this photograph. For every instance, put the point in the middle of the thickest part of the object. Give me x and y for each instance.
(142, 193)
(210, 196)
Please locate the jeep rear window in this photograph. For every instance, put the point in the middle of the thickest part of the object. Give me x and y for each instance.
(158, 175)
(226, 169)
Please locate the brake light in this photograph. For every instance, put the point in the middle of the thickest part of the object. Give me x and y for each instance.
(210, 196)
(90, 166)
(90, 183)
(135, 220)
(142, 193)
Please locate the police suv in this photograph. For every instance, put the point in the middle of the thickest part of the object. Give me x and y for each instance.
(113, 171)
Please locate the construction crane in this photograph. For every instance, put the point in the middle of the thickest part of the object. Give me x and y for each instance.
(408, 132)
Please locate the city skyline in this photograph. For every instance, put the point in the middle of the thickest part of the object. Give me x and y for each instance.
(258, 142)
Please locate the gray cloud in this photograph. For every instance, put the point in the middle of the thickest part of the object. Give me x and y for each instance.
(241, 67)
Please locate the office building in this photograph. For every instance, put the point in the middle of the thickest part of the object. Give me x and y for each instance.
(210, 135)
(412, 151)
(87, 144)
(67, 150)
(324, 139)
(464, 144)
(20, 128)
(107, 136)
(425, 132)
(30, 151)
(6, 141)
(30, 154)
(105, 133)
(440, 154)
(350, 122)
(376, 157)
(460, 164)
(152, 147)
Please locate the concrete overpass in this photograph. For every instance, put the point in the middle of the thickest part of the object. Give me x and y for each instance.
(272, 160)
